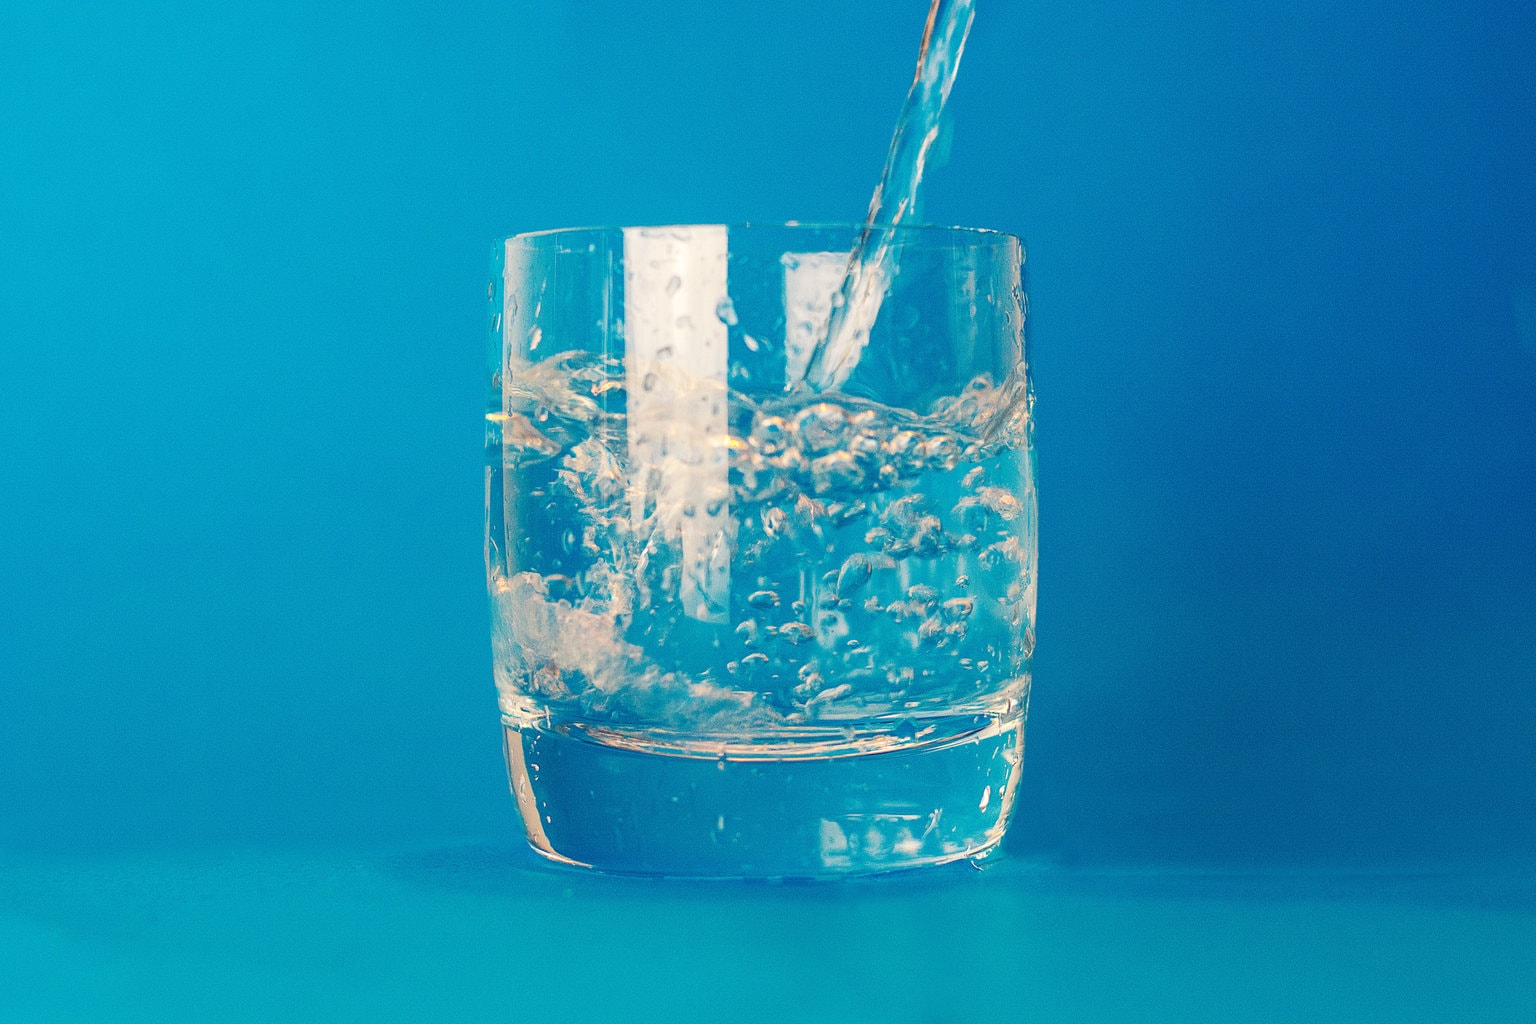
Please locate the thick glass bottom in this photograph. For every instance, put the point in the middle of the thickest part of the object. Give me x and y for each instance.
(804, 809)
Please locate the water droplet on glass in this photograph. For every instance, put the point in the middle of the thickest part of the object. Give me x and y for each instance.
(726, 311)
(763, 599)
(673, 284)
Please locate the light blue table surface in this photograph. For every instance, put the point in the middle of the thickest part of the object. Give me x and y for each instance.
(485, 932)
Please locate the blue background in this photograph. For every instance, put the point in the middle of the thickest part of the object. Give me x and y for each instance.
(1283, 278)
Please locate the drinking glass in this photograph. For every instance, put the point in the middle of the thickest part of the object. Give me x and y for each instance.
(762, 603)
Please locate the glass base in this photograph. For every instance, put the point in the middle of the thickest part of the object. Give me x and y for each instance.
(594, 798)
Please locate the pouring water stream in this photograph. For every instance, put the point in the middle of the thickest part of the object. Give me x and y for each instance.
(872, 263)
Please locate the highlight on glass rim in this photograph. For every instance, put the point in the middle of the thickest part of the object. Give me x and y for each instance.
(761, 537)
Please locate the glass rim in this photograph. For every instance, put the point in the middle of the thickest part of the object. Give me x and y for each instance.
(994, 235)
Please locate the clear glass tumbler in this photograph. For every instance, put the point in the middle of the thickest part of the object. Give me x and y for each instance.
(762, 604)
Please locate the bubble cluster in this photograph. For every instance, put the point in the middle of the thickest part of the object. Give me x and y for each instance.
(874, 560)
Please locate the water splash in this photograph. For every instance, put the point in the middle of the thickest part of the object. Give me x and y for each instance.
(879, 558)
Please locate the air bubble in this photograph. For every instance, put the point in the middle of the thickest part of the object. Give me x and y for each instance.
(958, 608)
(906, 451)
(853, 575)
(770, 435)
(927, 539)
(1002, 552)
(851, 513)
(795, 633)
(1004, 503)
(810, 683)
(971, 514)
(835, 472)
(821, 428)
(942, 453)
(833, 693)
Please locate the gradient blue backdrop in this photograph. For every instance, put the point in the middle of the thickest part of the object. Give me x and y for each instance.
(1283, 272)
